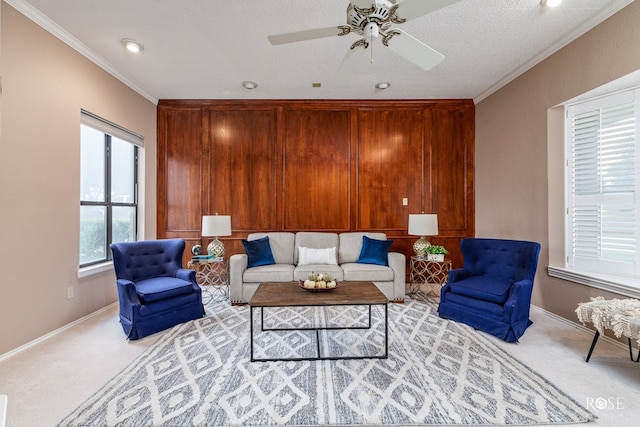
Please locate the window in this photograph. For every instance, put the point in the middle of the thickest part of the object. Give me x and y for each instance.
(108, 188)
(603, 217)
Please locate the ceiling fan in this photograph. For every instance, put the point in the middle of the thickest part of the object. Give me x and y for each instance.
(372, 19)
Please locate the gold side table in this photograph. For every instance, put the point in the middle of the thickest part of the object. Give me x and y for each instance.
(213, 277)
(430, 274)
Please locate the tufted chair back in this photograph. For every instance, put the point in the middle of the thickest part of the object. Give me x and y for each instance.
(145, 259)
(513, 260)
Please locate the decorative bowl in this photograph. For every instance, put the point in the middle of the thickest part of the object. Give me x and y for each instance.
(301, 284)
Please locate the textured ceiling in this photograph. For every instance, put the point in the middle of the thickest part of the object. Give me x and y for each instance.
(204, 49)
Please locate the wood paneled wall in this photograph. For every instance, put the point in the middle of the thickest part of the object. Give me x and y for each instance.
(316, 165)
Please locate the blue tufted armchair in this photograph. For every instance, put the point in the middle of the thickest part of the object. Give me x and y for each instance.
(154, 291)
(492, 292)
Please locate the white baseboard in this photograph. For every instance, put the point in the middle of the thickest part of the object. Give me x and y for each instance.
(53, 333)
(578, 326)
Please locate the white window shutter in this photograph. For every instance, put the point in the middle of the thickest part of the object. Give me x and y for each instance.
(603, 151)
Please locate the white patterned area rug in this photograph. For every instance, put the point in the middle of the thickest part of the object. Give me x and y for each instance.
(438, 373)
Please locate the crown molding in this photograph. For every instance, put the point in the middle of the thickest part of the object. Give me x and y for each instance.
(42, 20)
(611, 9)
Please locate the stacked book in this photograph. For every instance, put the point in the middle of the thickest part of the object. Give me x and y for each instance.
(202, 258)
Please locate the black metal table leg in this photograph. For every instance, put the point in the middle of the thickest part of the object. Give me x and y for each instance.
(317, 330)
(593, 345)
(251, 330)
(637, 359)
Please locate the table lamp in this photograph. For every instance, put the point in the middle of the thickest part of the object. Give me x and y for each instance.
(214, 226)
(422, 225)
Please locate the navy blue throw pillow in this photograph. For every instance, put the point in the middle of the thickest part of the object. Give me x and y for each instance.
(258, 251)
(374, 251)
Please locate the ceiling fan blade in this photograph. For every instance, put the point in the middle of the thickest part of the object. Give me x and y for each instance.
(349, 63)
(317, 33)
(413, 49)
(410, 9)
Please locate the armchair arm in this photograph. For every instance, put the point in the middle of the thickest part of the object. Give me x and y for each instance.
(397, 262)
(237, 265)
(453, 276)
(519, 301)
(458, 274)
(127, 297)
(187, 275)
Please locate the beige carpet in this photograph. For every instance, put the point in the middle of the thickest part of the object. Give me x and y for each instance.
(438, 372)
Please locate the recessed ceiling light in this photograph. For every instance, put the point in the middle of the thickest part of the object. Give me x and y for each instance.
(550, 3)
(382, 85)
(132, 45)
(249, 85)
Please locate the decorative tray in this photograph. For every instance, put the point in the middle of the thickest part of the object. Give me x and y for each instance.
(301, 284)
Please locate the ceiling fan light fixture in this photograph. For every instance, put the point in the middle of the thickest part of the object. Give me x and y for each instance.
(383, 85)
(249, 85)
(550, 3)
(132, 45)
(371, 31)
(373, 19)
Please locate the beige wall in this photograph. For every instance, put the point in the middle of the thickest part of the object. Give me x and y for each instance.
(45, 83)
(519, 175)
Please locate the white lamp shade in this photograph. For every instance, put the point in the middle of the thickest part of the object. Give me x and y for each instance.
(216, 225)
(423, 224)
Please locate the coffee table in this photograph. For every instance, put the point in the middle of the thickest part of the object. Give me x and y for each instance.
(289, 294)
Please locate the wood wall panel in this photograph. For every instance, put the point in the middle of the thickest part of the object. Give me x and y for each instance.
(242, 179)
(451, 174)
(180, 171)
(389, 167)
(274, 166)
(316, 169)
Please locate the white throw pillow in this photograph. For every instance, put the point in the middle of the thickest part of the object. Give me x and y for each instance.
(309, 256)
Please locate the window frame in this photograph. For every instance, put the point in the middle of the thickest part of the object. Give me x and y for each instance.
(109, 131)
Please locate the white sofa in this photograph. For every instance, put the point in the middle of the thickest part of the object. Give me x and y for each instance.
(285, 248)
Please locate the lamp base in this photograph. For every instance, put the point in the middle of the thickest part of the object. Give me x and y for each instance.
(216, 248)
(420, 245)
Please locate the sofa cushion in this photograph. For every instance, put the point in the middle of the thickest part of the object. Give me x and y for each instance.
(351, 245)
(486, 307)
(374, 251)
(376, 273)
(484, 288)
(258, 251)
(176, 304)
(308, 256)
(302, 272)
(159, 288)
(282, 244)
(269, 273)
(314, 239)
